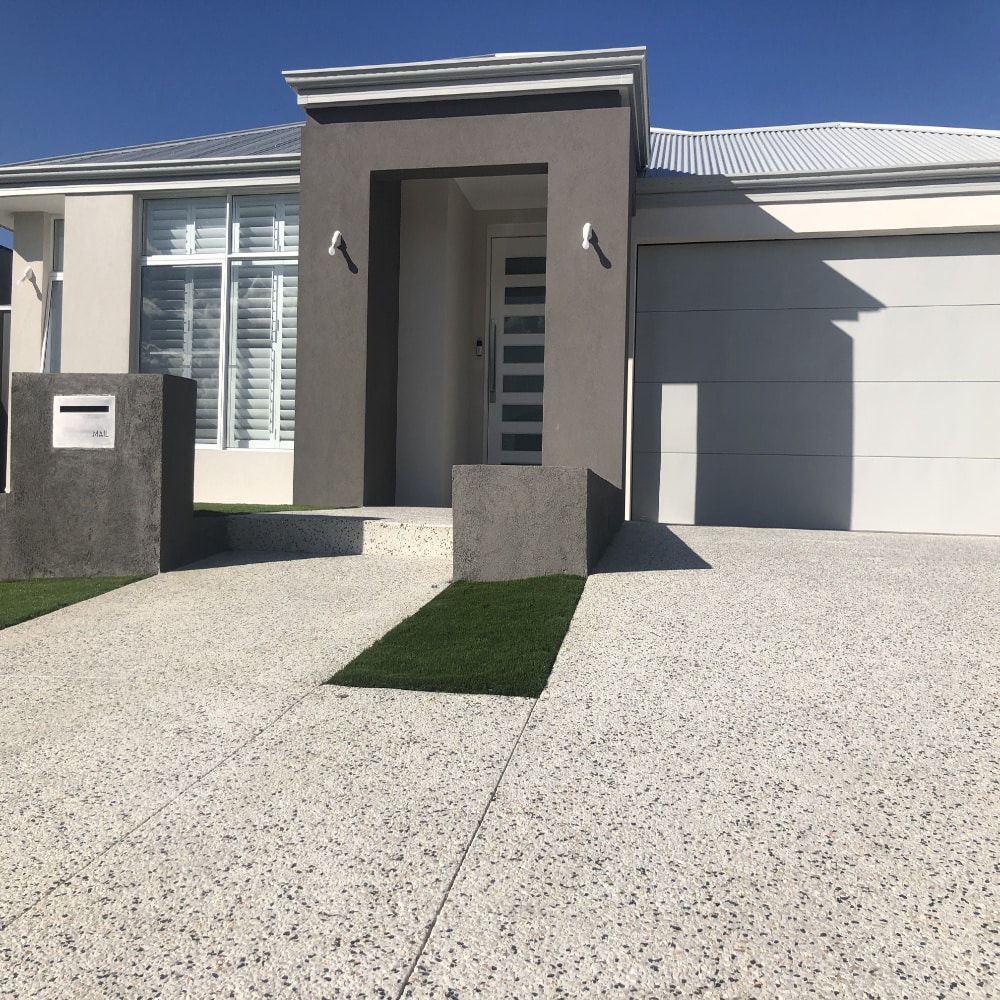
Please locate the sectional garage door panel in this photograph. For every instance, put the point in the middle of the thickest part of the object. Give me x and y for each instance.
(848, 383)
(947, 496)
(858, 273)
(927, 343)
(870, 419)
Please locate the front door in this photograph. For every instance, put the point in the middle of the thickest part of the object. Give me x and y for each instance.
(516, 351)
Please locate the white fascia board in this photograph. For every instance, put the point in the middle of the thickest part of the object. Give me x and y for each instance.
(827, 180)
(220, 183)
(461, 91)
(210, 167)
(421, 75)
(789, 195)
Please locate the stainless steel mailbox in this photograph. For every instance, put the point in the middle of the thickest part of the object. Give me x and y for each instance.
(83, 422)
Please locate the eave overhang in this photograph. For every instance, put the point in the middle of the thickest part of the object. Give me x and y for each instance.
(502, 75)
(829, 180)
(19, 176)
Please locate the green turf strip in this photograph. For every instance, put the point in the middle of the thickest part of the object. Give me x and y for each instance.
(221, 509)
(24, 599)
(474, 638)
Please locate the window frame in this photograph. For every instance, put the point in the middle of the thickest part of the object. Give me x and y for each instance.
(55, 275)
(223, 260)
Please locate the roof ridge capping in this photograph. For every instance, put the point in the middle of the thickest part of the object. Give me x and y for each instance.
(941, 129)
(500, 75)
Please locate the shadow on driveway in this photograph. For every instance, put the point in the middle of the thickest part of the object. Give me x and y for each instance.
(641, 547)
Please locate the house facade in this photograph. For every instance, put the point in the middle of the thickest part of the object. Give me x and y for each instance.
(498, 261)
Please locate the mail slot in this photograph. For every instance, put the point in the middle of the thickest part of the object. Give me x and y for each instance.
(83, 422)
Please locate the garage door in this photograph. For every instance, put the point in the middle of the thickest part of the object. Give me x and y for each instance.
(845, 383)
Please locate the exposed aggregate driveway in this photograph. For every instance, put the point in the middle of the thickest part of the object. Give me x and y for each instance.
(766, 765)
(774, 777)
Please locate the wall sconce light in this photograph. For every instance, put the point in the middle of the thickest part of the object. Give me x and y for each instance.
(29, 275)
(337, 243)
(588, 235)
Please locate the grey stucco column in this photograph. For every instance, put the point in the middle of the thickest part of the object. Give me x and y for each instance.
(512, 522)
(348, 304)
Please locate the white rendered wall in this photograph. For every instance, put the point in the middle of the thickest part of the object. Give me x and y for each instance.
(99, 270)
(850, 383)
(32, 249)
(241, 475)
(694, 216)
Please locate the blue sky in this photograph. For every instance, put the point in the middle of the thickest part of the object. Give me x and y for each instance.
(79, 76)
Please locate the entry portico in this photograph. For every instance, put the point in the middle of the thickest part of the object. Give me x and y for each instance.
(372, 135)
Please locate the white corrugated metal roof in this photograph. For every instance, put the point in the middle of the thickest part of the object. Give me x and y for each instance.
(273, 140)
(789, 149)
(820, 148)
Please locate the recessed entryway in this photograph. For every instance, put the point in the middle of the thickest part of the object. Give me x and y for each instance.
(471, 316)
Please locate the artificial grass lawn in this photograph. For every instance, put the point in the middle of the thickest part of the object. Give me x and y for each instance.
(221, 509)
(474, 638)
(24, 599)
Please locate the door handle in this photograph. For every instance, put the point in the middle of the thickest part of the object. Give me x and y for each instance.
(493, 363)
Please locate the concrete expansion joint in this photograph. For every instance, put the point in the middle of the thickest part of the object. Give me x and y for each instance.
(465, 854)
(146, 820)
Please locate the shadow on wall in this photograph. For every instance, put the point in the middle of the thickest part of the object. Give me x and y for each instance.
(4, 377)
(744, 387)
(641, 547)
(6, 275)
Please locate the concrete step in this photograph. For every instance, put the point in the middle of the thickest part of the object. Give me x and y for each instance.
(415, 533)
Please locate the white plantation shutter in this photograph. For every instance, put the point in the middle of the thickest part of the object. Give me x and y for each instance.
(251, 374)
(179, 334)
(185, 226)
(262, 354)
(208, 225)
(263, 223)
(289, 331)
(290, 232)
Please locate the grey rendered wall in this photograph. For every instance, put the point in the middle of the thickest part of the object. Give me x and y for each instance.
(377, 380)
(437, 373)
(846, 383)
(347, 348)
(102, 512)
(464, 439)
(514, 522)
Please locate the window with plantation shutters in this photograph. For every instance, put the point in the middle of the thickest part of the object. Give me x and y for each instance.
(219, 295)
(262, 354)
(181, 314)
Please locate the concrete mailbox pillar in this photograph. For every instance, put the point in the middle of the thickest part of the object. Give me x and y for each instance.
(102, 475)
